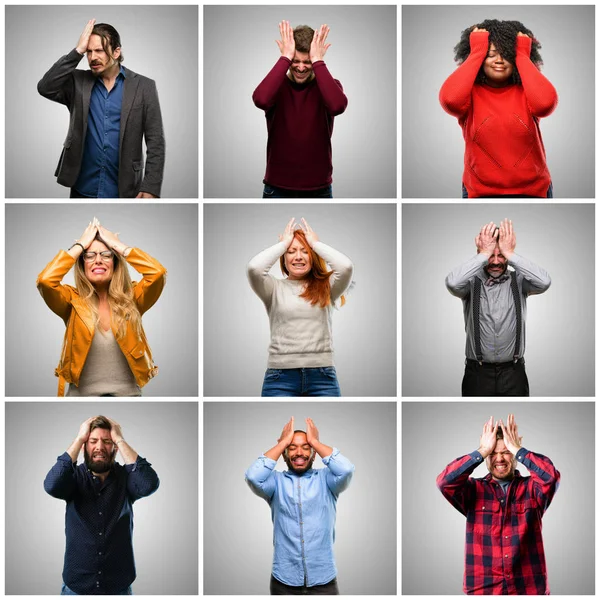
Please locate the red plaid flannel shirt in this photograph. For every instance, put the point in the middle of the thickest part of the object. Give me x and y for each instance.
(504, 551)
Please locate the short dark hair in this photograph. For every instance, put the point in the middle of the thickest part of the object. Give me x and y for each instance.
(303, 36)
(100, 422)
(499, 433)
(110, 37)
(503, 34)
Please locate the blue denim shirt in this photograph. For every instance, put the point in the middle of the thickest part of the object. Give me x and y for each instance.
(303, 509)
(99, 173)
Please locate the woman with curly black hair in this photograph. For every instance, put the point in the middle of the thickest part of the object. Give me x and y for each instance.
(499, 95)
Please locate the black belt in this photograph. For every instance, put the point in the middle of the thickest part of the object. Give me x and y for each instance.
(519, 361)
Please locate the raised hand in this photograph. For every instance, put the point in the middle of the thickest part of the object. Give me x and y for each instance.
(89, 233)
(507, 240)
(84, 430)
(84, 38)
(287, 45)
(486, 239)
(318, 47)
(312, 433)
(511, 434)
(287, 435)
(111, 239)
(288, 234)
(115, 431)
(487, 441)
(309, 234)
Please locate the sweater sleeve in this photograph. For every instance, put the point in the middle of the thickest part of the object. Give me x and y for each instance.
(264, 95)
(457, 281)
(342, 268)
(540, 93)
(258, 271)
(455, 95)
(331, 89)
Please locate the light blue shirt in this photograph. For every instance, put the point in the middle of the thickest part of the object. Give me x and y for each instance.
(303, 509)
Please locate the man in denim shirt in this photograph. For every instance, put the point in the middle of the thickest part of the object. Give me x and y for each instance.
(303, 506)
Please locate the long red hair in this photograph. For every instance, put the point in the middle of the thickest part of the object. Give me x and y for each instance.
(318, 288)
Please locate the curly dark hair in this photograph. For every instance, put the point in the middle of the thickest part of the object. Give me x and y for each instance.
(503, 34)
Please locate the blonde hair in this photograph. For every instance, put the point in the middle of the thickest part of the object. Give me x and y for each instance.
(123, 308)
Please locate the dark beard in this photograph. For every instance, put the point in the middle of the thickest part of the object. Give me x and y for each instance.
(291, 467)
(98, 466)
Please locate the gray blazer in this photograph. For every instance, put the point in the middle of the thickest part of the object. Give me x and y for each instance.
(140, 116)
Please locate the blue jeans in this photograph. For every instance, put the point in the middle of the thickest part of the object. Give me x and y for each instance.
(66, 591)
(549, 194)
(317, 381)
(271, 191)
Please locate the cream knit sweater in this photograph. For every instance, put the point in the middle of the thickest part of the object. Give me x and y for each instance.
(300, 333)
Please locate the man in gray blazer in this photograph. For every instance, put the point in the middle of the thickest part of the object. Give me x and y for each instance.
(111, 109)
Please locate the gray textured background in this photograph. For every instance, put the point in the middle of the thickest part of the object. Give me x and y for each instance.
(239, 51)
(160, 42)
(433, 532)
(432, 143)
(237, 524)
(165, 538)
(436, 238)
(236, 324)
(34, 334)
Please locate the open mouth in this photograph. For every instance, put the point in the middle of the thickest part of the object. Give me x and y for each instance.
(299, 461)
(98, 271)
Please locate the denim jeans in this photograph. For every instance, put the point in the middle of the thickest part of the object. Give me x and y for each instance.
(549, 194)
(66, 591)
(317, 381)
(271, 191)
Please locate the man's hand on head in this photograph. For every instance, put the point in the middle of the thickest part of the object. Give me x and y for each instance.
(486, 239)
(318, 47)
(84, 430)
(287, 435)
(115, 431)
(287, 44)
(84, 38)
(487, 440)
(312, 433)
(507, 240)
(511, 434)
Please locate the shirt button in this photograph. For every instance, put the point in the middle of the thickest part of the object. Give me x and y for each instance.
(99, 533)
(100, 553)
(505, 537)
(506, 556)
(99, 572)
(100, 513)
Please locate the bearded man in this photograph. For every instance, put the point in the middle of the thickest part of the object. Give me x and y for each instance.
(303, 508)
(111, 109)
(495, 311)
(504, 552)
(99, 516)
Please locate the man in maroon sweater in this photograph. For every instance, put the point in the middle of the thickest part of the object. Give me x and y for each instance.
(300, 99)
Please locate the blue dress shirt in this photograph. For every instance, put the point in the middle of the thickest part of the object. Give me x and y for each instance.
(303, 509)
(99, 522)
(99, 174)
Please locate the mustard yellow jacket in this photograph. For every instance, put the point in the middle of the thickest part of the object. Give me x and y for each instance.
(64, 300)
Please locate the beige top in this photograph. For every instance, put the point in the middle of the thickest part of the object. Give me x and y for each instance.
(106, 372)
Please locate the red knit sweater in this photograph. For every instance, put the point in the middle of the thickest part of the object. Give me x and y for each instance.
(300, 125)
(504, 152)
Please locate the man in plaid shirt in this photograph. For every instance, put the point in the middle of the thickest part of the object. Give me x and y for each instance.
(504, 552)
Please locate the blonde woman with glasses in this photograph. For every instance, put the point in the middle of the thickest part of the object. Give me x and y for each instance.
(105, 351)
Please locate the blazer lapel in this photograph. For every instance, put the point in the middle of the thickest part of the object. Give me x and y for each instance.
(88, 85)
(129, 90)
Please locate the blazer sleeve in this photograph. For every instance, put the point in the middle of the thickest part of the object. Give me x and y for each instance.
(58, 83)
(155, 143)
(57, 296)
(154, 277)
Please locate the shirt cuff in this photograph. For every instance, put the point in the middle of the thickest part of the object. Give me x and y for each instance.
(138, 461)
(267, 462)
(64, 457)
(326, 459)
(520, 455)
(476, 455)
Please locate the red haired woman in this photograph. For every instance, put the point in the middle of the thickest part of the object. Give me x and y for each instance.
(300, 309)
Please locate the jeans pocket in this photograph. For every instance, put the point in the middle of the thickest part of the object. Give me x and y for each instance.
(272, 374)
(329, 371)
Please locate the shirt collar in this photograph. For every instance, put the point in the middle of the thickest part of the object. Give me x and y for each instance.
(489, 477)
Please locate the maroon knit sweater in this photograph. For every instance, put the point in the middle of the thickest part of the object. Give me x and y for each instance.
(300, 125)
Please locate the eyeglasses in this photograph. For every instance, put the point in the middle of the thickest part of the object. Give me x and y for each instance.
(105, 256)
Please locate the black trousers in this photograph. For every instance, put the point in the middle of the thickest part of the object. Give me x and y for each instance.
(495, 379)
(281, 589)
